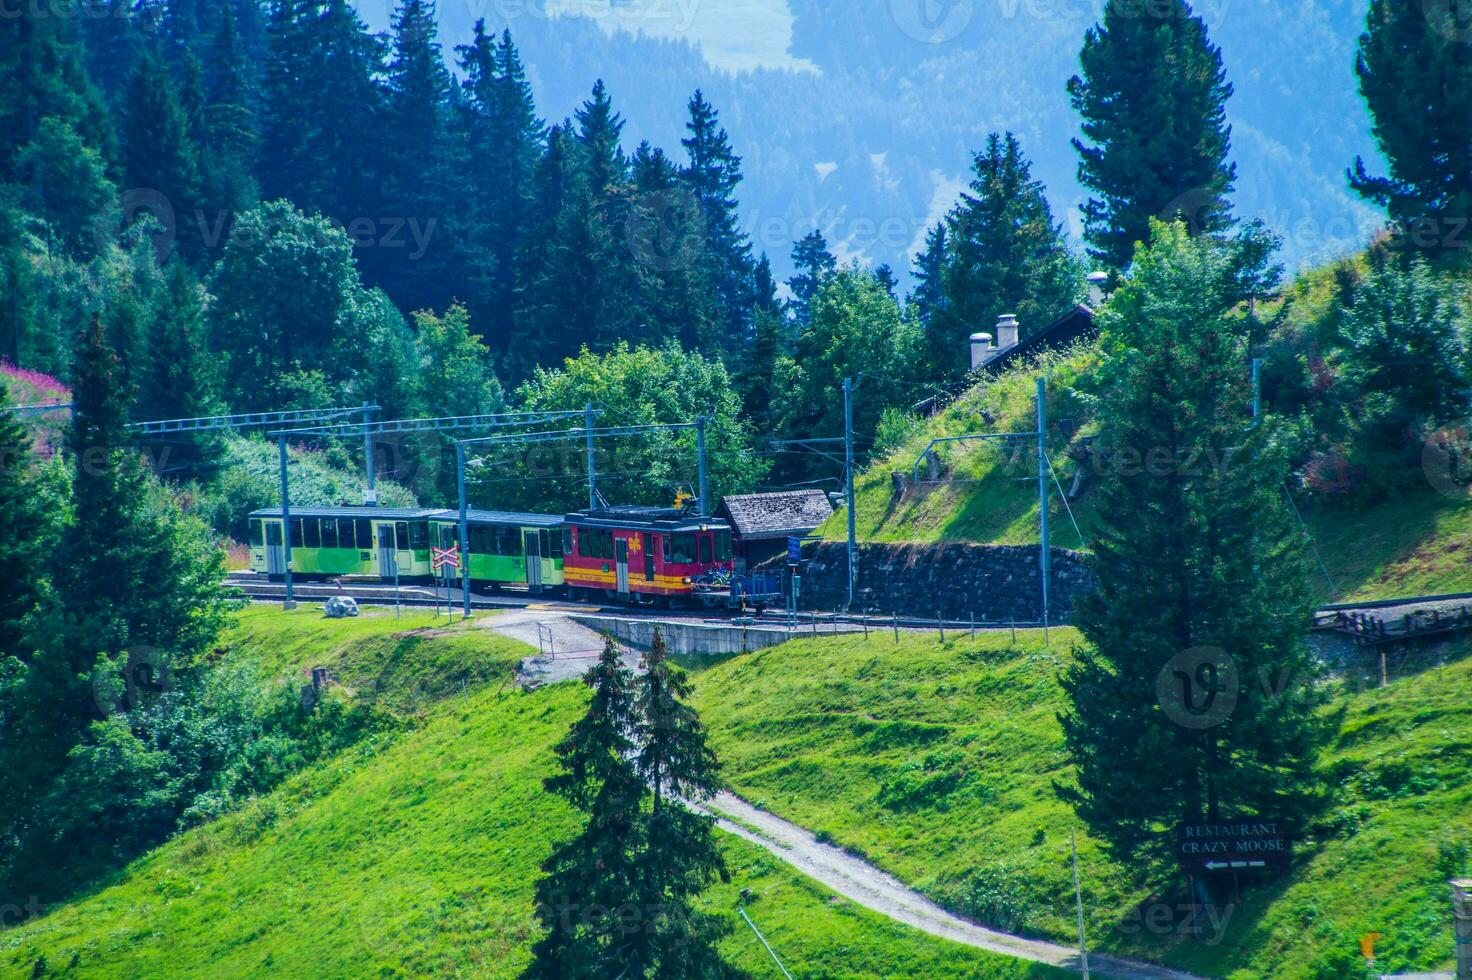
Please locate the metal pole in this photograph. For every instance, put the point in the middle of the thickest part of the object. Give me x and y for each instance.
(765, 944)
(1256, 387)
(1083, 947)
(700, 451)
(464, 532)
(1462, 921)
(592, 464)
(370, 495)
(1044, 557)
(848, 483)
(290, 602)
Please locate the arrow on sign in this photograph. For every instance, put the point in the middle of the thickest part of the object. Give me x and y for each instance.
(1225, 865)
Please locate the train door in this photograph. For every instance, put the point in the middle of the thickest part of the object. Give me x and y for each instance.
(649, 558)
(275, 550)
(621, 557)
(533, 560)
(388, 552)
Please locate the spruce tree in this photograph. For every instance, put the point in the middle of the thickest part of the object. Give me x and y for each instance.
(680, 857)
(591, 880)
(231, 127)
(504, 139)
(665, 231)
(159, 155)
(713, 174)
(1153, 95)
(815, 267)
(178, 379)
(1415, 72)
(1005, 254)
(23, 532)
(929, 295)
(419, 163)
(1201, 580)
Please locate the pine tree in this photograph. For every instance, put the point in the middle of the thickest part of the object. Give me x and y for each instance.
(1005, 254)
(178, 375)
(592, 880)
(504, 139)
(1153, 97)
(680, 857)
(230, 125)
(601, 158)
(24, 524)
(160, 156)
(418, 163)
(1201, 581)
(665, 231)
(815, 267)
(929, 295)
(1415, 72)
(713, 174)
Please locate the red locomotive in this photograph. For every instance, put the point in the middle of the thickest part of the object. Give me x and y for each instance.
(647, 555)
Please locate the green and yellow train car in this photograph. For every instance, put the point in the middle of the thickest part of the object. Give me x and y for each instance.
(327, 541)
(507, 549)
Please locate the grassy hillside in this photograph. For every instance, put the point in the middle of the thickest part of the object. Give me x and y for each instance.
(1414, 544)
(937, 762)
(416, 854)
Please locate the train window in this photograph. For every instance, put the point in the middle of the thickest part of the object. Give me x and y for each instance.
(655, 540)
(704, 543)
(401, 535)
(552, 544)
(257, 537)
(545, 540)
(508, 541)
(311, 537)
(607, 543)
(419, 536)
(723, 546)
(682, 549)
(329, 532)
(296, 531)
(482, 540)
(273, 534)
(364, 530)
(567, 541)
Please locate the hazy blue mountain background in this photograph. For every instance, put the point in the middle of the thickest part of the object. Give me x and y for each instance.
(860, 117)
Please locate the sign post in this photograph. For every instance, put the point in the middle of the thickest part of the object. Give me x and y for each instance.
(441, 559)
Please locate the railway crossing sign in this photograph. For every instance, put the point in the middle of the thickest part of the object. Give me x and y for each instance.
(441, 557)
(1240, 845)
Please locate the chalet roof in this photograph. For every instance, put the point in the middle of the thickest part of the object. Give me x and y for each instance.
(772, 515)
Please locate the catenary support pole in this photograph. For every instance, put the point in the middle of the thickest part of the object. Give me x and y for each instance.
(1045, 558)
(464, 532)
(370, 489)
(592, 463)
(700, 452)
(767, 946)
(290, 602)
(848, 485)
(1462, 922)
(1078, 894)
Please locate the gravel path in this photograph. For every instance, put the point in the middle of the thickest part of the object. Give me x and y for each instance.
(570, 649)
(866, 885)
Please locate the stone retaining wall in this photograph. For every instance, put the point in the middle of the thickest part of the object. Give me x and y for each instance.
(956, 581)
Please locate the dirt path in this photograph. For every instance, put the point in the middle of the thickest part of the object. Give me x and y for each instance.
(862, 883)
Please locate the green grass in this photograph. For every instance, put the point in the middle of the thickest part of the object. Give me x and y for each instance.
(416, 854)
(1420, 543)
(937, 762)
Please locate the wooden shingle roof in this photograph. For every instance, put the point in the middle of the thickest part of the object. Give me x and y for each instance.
(772, 515)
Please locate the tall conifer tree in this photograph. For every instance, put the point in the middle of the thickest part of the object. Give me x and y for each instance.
(713, 174)
(1415, 71)
(1193, 699)
(1153, 96)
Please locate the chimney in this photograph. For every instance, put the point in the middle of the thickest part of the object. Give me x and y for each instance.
(1006, 331)
(1096, 281)
(981, 349)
